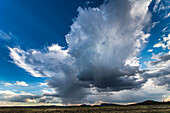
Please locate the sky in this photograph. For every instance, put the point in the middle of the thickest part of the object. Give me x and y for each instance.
(84, 52)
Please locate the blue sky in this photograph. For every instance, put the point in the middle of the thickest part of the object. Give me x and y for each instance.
(74, 52)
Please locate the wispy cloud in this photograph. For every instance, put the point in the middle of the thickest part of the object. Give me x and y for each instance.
(19, 83)
(167, 16)
(4, 35)
(155, 8)
(8, 84)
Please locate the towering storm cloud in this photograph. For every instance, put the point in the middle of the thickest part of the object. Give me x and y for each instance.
(103, 45)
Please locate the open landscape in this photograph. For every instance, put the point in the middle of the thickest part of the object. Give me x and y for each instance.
(144, 107)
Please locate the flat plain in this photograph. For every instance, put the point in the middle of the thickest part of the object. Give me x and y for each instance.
(163, 108)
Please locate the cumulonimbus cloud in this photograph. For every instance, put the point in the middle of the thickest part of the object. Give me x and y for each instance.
(102, 46)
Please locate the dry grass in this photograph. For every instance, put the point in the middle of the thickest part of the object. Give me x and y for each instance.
(106, 109)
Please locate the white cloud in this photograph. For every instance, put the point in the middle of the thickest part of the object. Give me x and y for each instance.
(9, 98)
(43, 84)
(6, 94)
(39, 60)
(166, 38)
(46, 91)
(4, 35)
(155, 8)
(150, 50)
(167, 41)
(112, 46)
(164, 44)
(159, 69)
(168, 44)
(160, 44)
(55, 47)
(46, 100)
(21, 83)
(7, 84)
(133, 61)
(31, 100)
(20, 60)
(12, 97)
(101, 41)
(164, 5)
(166, 29)
(154, 24)
(149, 91)
(167, 16)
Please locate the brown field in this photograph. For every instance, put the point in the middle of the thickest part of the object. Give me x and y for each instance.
(101, 109)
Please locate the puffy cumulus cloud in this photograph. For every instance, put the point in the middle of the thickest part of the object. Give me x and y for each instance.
(160, 67)
(161, 61)
(166, 38)
(165, 43)
(159, 70)
(17, 97)
(103, 45)
(160, 44)
(24, 98)
(21, 83)
(5, 94)
(11, 98)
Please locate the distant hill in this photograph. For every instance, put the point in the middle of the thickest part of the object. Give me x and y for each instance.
(151, 102)
(107, 104)
(148, 102)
